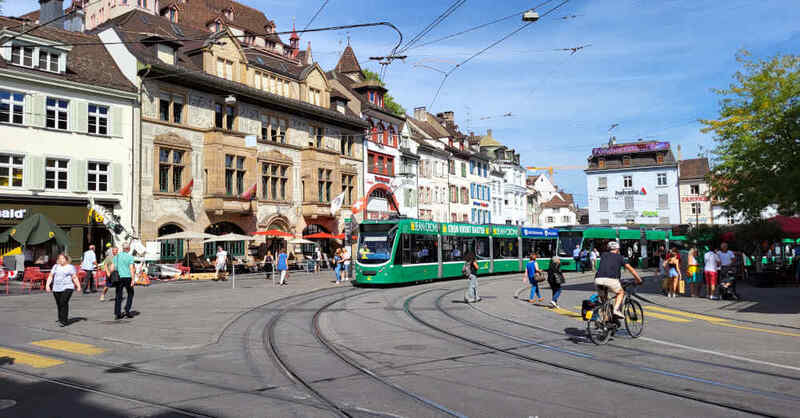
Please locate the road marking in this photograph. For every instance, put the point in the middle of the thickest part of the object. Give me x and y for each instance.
(686, 314)
(33, 360)
(769, 331)
(70, 347)
(717, 321)
(717, 353)
(666, 317)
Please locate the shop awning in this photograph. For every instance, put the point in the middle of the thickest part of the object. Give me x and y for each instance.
(676, 237)
(319, 235)
(630, 234)
(656, 235)
(36, 229)
(600, 233)
(790, 225)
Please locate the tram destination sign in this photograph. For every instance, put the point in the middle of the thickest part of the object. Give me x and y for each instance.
(539, 233)
(464, 229)
(631, 148)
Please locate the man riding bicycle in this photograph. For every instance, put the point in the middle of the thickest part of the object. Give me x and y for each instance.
(608, 275)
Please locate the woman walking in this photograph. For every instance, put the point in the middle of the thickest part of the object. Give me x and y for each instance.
(471, 272)
(62, 281)
(674, 270)
(337, 262)
(555, 279)
(531, 268)
(694, 278)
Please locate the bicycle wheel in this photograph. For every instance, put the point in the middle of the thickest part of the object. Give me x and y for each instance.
(597, 328)
(634, 318)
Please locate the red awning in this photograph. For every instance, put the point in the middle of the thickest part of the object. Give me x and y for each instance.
(319, 235)
(790, 225)
(274, 233)
(341, 236)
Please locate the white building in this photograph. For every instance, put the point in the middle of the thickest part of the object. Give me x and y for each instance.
(513, 210)
(633, 183)
(480, 189)
(68, 119)
(558, 211)
(432, 185)
(408, 174)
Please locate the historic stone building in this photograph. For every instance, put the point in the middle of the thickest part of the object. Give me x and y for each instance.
(234, 138)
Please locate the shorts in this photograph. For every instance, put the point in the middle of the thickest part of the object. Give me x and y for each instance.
(611, 284)
(673, 272)
(711, 278)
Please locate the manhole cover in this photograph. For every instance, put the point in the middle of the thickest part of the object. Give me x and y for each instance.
(6, 403)
(410, 347)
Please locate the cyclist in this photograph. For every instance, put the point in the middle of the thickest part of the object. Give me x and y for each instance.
(608, 275)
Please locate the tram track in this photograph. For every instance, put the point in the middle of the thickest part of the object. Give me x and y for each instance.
(575, 354)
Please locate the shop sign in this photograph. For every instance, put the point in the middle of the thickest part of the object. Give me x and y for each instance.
(12, 213)
(631, 148)
(383, 180)
(641, 191)
(649, 214)
(694, 199)
(464, 229)
(539, 232)
(481, 204)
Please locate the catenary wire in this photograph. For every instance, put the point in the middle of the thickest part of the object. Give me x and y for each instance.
(439, 19)
(316, 14)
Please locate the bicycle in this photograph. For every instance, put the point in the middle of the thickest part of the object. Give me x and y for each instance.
(601, 324)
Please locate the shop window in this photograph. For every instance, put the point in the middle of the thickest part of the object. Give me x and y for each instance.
(11, 169)
(324, 184)
(57, 113)
(274, 178)
(98, 119)
(55, 174)
(170, 107)
(170, 170)
(694, 189)
(12, 107)
(348, 186)
(695, 208)
(97, 176)
(662, 179)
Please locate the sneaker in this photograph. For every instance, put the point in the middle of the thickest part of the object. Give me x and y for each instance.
(554, 304)
(714, 298)
(102, 298)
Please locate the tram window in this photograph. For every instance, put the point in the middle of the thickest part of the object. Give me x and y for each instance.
(506, 248)
(542, 248)
(482, 247)
(418, 249)
(375, 243)
(568, 240)
(454, 248)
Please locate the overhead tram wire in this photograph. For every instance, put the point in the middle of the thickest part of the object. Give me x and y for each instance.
(439, 19)
(316, 14)
(492, 45)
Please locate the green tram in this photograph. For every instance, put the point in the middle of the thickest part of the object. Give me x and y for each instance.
(410, 250)
(630, 240)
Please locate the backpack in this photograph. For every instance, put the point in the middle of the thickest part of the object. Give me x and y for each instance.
(466, 270)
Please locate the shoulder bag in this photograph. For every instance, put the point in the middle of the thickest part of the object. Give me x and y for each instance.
(113, 277)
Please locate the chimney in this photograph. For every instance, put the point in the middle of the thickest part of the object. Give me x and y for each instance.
(447, 116)
(52, 9)
(420, 113)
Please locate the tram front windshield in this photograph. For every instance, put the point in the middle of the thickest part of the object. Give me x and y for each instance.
(375, 243)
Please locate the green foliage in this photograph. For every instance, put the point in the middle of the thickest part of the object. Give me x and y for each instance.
(388, 100)
(757, 136)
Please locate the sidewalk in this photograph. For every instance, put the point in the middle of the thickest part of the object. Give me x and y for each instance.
(173, 315)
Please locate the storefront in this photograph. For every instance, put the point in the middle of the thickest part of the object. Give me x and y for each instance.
(81, 227)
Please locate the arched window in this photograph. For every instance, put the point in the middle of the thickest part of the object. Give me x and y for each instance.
(171, 250)
(234, 248)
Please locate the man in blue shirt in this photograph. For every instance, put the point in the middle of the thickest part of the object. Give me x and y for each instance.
(123, 264)
(283, 265)
(576, 255)
(531, 268)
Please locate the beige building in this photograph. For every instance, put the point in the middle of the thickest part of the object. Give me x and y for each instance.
(234, 139)
(694, 191)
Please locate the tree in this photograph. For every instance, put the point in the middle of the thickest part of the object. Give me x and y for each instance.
(758, 138)
(388, 100)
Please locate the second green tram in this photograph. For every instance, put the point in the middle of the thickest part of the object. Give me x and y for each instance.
(409, 250)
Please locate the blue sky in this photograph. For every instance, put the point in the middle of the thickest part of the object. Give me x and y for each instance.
(650, 66)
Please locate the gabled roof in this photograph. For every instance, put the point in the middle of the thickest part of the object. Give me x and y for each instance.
(692, 169)
(88, 62)
(197, 14)
(559, 200)
(348, 63)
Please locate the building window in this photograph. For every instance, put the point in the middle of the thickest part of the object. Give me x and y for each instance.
(170, 107)
(98, 119)
(626, 161)
(628, 202)
(380, 164)
(22, 55)
(224, 116)
(601, 163)
(170, 170)
(695, 208)
(274, 178)
(347, 145)
(464, 196)
(694, 189)
(627, 181)
(11, 167)
(12, 107)
(234, 174)
(48, 61)
(55, 174)
(662, 179)
(663, 220)
(230, 116)
(604, 204)
(57, 113)
(602, 183)
(660, 158)
(565, 219)
(274, 129)
(315, 96)
(663, 201)
(604, 221)
(324, 184)
(319, 136)
(463, 169)
(98, 176)
(348, 185)
(224, 69)
(550, 219)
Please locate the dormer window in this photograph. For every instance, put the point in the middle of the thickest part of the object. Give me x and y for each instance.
(36, 57)
(660, 158)
(626, 161)
(48, 61)
(601, 163)
(22, 55)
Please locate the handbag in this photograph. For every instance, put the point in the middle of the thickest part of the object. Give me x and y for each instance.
(539, 277)
(681, 286)
(561, 278)
(113, 278)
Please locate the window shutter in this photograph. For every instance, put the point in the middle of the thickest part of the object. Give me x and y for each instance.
(33, 172)
(72, 117)
(116, 121)
(78, 176)
(28, 114)
(37, 110)
(81, 116)
(116, 178)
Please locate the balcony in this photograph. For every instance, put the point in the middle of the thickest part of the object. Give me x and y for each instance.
(226, 205)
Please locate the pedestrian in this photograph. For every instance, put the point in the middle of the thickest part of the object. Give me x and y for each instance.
(694, 279)
(109, 249)
(108, 267)
(220, 264)
(346, 263)
(576, 255)
(63, 279)
(555, 279)
(124, 266)
(88, 265)
(470, 270)
(711, 264)
(727, 268)
(317, 259)
(532, 269)
(673, 267)
(584, 259)
(337, 265)
(283, 266)
(593, 255)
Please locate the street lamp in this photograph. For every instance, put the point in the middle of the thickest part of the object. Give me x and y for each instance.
(530, 16)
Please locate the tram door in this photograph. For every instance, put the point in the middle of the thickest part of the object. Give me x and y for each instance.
(491, 255)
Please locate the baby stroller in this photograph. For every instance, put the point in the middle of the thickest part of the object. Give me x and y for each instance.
(727, 284)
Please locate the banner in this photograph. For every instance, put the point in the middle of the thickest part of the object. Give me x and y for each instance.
(336, 204)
